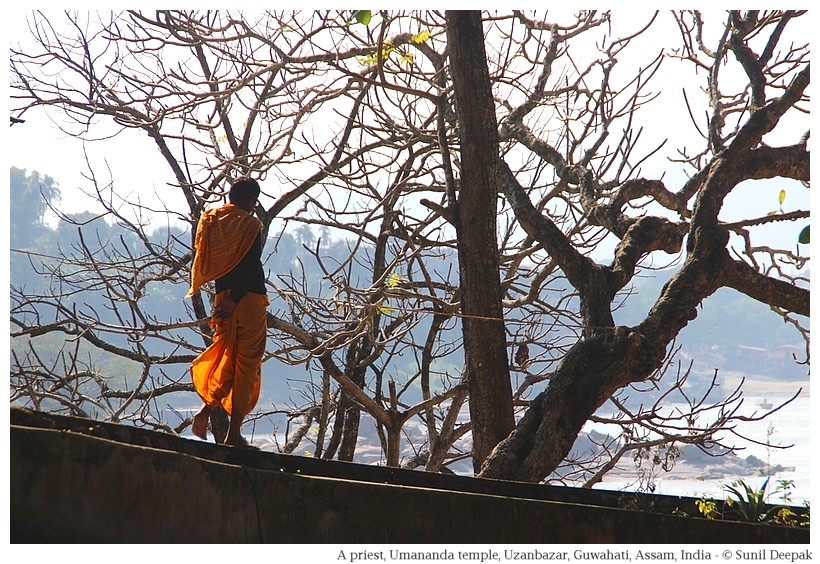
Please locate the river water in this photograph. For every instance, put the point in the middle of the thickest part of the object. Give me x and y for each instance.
(790, 426)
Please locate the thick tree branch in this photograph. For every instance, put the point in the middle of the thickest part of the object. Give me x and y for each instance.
(765, 289)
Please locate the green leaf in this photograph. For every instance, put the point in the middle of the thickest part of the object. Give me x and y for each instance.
(782, 197)
(361, 16)
(805, 235)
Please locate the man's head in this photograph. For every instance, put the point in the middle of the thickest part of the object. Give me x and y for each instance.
(244, 193)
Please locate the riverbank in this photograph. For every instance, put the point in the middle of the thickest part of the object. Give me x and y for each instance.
(778, 445)
(765, 387)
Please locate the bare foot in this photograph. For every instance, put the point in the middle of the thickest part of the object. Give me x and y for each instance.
(237, 440)
(200, 424)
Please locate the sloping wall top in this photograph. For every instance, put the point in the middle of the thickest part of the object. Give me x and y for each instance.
(78, 480)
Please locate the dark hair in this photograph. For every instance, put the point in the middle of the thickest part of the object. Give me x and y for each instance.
(243, 191)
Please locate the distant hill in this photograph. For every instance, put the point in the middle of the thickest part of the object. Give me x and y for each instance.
(732, 332)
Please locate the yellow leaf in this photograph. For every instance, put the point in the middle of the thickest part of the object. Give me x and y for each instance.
(782, 196)
(420, 37)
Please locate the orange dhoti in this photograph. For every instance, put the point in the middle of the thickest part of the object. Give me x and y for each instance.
(229, 372)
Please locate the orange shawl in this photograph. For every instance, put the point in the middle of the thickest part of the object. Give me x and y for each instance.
(223, 238)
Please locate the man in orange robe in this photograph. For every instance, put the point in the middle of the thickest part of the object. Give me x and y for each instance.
(228, 247)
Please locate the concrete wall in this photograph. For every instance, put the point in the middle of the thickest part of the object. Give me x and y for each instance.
(74, 480)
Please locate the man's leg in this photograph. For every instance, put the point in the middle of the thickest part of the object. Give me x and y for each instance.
(251, 335)
(200, 424)
(234, 437)
(212, 375)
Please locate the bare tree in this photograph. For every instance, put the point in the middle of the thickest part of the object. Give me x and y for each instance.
(610, 357)
(354, 130)
(223, 97)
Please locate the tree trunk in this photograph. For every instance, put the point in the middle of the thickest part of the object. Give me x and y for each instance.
(483, 323)
(348, 415)
(602, 362)
(352, 415)
(590, 373)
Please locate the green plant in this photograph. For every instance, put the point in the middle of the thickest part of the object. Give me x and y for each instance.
(784, 488)
(750, 504)
(753, 505)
